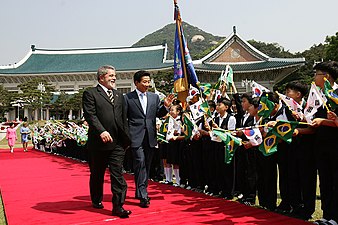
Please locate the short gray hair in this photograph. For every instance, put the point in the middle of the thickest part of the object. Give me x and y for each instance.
(103, 70)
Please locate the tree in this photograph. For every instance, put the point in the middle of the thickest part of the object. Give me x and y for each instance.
(32, 97)
(271, 49)
(331, 49)
(164, 81)
(5, 101)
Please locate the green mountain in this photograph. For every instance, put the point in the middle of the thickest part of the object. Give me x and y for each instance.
(198, 40)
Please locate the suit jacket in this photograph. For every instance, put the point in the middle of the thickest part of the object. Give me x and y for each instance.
(138, 122)
(102, 115)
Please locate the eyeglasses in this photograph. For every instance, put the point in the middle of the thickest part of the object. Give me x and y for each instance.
(319, 74)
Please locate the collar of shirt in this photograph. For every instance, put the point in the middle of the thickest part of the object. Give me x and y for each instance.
(139, 93)
(104, 88)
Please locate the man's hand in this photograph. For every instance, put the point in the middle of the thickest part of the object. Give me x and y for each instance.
(105, 137)
(169, 100)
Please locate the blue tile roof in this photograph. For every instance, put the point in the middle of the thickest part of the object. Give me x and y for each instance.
(40, 61)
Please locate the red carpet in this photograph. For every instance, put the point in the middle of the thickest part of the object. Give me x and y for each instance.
(40, 188)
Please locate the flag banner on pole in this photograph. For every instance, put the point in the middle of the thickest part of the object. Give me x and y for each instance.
(180, 80)
(184, 71)
(254, 136)
(189, 127)
(313, 102)
(269, 144)
(231, 143)
(292, 104)
(231, 147)
(265, 106)
(257, 89)
(229, 75)
(170, 128)
(284, 130)
(196, 110)
(221, 79)
(205, 108)
(330, 94)
(206, 89)
(162, 133)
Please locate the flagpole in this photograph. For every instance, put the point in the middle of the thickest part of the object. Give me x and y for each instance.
(181, 95)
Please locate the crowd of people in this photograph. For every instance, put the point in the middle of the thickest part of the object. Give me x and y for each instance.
(202, 159)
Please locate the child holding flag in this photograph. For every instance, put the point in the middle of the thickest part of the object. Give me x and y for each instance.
(327, 145)
(224, 172)
(176, 142)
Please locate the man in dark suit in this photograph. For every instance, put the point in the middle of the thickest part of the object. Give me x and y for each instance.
(142, 109)
(104, 110)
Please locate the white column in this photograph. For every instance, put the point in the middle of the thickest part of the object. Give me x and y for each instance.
(47, 113)
(36, 114)
(25, 113)
(70, 115)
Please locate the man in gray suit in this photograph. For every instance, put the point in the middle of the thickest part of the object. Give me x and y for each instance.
(142, 109)
(104, 110)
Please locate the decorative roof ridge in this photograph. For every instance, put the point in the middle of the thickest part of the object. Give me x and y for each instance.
(287, 59)
(233, 63)
(22, 61)
(295, 60)
(97, 50)
(246, 44)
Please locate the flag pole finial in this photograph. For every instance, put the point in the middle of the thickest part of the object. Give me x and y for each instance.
(233, 28)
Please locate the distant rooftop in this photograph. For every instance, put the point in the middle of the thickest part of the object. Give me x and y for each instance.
(40, 61)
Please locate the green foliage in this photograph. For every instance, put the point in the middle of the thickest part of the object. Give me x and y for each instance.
(5, 99)
(164, 81)
(32, 97)
(167, 34)
(271, 49)
(331, 49)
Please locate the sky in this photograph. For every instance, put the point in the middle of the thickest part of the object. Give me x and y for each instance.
(296, 25)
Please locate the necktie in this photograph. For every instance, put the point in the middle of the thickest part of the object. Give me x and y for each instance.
(111, 96)
(143, 102)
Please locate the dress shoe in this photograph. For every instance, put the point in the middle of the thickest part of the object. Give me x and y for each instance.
(148, 199)
(98, 205)
(144, 203)
(121, 212)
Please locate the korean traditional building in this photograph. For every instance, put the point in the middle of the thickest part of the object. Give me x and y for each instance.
(70, 70)
(247, 62)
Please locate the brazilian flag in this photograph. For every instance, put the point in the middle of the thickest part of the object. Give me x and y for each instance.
(265, 107)
(205, 108)
(161, 135)
(188, 127)
(205, 88)
(231, 147)
(284, 130)
(231, 143)
(269, 144)
(330, 94)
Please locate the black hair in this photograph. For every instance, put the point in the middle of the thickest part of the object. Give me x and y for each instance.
(176, 102)
(271, 96)
(225, 101)
(10, 124)
(211, 103)
(139, 74)
(178, 108)
(330, 67)
(297, 86)
(256, 102)
(247, 96)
